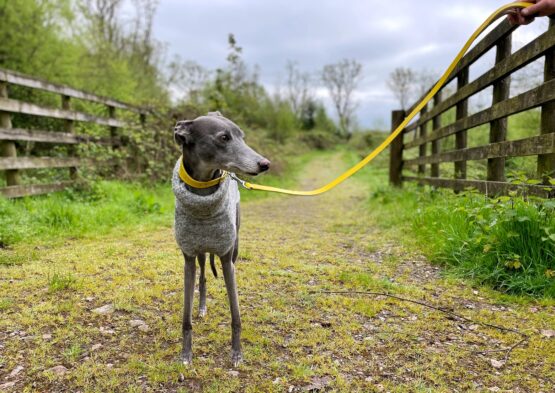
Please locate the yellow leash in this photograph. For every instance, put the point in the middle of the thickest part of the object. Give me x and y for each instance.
(507, 8)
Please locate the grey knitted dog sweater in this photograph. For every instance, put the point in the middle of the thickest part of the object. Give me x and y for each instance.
(205, 224)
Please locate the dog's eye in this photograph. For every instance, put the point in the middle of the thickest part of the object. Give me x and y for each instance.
(225, 138)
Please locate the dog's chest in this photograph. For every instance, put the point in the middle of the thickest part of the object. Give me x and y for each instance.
(206, 224)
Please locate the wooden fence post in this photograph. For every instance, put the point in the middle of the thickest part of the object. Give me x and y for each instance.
(422, 148)
(8, 148)
(396, 151)
(546, 162)
(436, 124)
(114, 136)
(461, 136)
(498, 127)
(68, 127)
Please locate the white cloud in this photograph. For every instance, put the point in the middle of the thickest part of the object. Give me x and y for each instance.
(381, 35)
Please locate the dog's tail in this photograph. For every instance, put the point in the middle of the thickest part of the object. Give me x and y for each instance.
(213, 266)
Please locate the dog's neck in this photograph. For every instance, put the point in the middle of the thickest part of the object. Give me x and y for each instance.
(198, 170)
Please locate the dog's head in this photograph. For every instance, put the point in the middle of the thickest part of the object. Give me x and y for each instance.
(218, 143)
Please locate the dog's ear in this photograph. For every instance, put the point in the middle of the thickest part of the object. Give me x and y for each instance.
(182, 132)
(215, 113)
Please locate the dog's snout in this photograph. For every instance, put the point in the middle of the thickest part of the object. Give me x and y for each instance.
(264, 165)
(178, 125)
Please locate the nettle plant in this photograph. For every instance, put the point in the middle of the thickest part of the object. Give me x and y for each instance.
(506, 241)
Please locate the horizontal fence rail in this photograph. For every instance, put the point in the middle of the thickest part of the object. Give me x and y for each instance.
(412, 160)
(14, 141)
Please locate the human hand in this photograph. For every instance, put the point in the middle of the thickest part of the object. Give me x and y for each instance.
(526, 15)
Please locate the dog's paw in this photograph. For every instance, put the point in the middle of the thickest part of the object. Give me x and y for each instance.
(236, 358)
(202, 312)
(187, 358)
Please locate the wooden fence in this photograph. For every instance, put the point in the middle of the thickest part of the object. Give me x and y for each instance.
(12, 163)
(409, 150)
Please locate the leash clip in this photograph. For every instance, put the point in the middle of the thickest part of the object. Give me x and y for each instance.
(241, 182)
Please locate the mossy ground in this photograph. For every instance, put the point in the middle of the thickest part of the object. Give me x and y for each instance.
(293, 339)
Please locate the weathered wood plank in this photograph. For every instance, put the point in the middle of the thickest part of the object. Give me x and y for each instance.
(540, 144)
(498, 127)
(461, 136)
(422, 148)
(39, 162)
(528, 100)
(396, 150)
(8, 148)
(436, 124)
(19, 79)
(15, 106)
(546, 163)
(490, 188)
(517, 60)
(19, 134)
(489, 41)
(34, 189)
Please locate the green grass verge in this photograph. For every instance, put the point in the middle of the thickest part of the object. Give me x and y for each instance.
(104, 206)
(507, 243)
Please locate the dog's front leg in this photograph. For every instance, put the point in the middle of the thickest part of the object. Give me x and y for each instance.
(229, 276)
(190, 266)
(202, 286)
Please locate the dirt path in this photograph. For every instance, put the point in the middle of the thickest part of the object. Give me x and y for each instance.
(293, 340)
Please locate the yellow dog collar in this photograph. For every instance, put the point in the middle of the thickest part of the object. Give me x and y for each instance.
(187, 179)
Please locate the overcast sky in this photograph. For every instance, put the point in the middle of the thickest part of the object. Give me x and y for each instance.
(382, 35)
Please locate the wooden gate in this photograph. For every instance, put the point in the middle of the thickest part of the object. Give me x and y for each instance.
(11, 160)
(410, 150)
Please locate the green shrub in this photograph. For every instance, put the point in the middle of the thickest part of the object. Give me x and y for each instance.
(320, 140)
(507, 242)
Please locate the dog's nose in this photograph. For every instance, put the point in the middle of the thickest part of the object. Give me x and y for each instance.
(264, 165)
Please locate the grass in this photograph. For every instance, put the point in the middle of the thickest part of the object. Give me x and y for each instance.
(292, 337)
(507, 243)
(102, 207)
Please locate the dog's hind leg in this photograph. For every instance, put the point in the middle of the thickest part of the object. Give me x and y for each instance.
(231, 286)
(202, 286)
(190, 267)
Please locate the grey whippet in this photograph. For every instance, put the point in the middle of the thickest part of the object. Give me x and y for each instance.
(207, 219)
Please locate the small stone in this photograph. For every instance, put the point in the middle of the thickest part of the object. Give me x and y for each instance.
(473, 327)
(58, 370)
(89, 298)
(95, 347)
(494, 389)
(276, 381)
(143, 328)
(291, 387)
(496, 363)
(548, 333)
(233, 373)
(106, 309)
(136, 322)
(46, 336)
(106, 331)
(15, 371)
(368, 379)
(109, 365)
(181, 377)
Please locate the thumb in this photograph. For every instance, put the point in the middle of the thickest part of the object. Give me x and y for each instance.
(532, 10)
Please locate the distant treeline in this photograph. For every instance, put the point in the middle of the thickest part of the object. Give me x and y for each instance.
(95, 46)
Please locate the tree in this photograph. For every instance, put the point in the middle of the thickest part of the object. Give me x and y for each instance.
(298, 89)
(188, 77)
(401, 82)
(341, 80)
